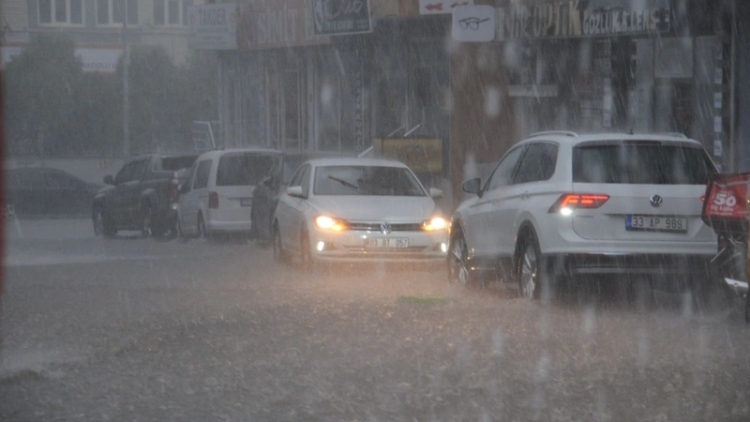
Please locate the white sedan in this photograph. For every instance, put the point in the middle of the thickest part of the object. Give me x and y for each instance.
(358, 210)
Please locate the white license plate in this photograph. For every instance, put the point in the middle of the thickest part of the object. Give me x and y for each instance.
(656, 223)
(246, 202)
(379, 242)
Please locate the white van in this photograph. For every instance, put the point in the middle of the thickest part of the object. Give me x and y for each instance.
(218, 194)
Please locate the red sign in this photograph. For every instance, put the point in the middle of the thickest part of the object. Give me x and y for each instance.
(727, 197)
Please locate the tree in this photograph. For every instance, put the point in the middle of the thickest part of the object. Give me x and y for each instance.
(40, 84)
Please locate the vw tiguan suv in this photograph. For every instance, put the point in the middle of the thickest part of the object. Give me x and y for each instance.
(560, 204)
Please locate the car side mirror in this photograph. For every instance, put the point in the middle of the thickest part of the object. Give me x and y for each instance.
(185, 188)
(109, 180)
(473, 186)
(295, 192)
(436, 193)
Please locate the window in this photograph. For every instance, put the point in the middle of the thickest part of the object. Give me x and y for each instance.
(504, 171)
(111, 12)
(297, 177)
(538, 163)
(366, 180)
(56, 12)
(201, 175)
(243, 169)
(305, 182)
(641, 163)
(171, 12)
(126, 173)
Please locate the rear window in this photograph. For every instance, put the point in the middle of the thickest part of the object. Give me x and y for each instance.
(177, 163)
(243, 169)
(641, 163)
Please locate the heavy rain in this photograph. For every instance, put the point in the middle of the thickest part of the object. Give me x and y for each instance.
(375, 210)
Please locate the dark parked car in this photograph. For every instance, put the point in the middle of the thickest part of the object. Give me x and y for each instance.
(142, 196)
(44, 191)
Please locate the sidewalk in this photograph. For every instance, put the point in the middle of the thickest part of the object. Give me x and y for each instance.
(42, 229)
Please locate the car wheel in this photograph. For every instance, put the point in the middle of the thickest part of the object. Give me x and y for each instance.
(529, 271)
(458, 266)
(279, 255)
(147, 226)
(101, 228)
(201, 227)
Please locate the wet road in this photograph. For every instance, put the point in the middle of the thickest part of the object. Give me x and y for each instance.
(133, 329)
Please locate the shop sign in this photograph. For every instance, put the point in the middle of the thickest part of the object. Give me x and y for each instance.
(213, 26)
(99, 60)
(435, 7)
(339, 17)
(585, 18)
(423, 155)
(474, 24)
(276, 24)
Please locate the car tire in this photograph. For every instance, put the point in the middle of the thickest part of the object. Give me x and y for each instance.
(101, 227)
(457, 265)
(279, 255)
(533, 278)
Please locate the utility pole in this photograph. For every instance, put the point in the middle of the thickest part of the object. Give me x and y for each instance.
(125, 85)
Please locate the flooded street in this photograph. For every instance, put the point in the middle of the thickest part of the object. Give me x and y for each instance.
(215, 330)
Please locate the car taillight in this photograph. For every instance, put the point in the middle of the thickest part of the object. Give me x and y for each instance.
(570, 201)
(213, 200)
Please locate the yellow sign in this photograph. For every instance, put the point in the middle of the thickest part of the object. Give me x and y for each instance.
(423, 155)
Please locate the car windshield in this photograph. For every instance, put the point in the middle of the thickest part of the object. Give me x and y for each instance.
(243, 169)
(641, 163)
(366, 181)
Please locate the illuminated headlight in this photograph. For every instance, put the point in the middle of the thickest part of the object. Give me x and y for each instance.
(434, 224)
(329, 223)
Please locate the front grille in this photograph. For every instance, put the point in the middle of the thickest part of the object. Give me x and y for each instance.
(384, 250)
(395, 227)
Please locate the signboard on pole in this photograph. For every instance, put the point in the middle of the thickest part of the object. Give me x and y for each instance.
(474, 23)
(435, 7)
(341, 17)
(213, 26)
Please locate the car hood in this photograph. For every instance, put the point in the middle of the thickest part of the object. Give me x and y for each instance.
(375, 208)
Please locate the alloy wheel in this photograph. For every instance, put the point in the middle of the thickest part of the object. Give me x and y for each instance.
(458, 269)
(529, 271)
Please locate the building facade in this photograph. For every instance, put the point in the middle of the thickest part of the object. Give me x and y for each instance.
(304, 77)
(96, 26)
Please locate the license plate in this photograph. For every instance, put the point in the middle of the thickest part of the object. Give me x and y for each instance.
(379, 242)
(246, 202)
(656, 223)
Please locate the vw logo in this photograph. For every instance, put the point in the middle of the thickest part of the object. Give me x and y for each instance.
(656, 201)
(385, 228)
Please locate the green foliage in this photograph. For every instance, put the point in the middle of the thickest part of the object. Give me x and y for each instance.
(55, 109)
(41, 85)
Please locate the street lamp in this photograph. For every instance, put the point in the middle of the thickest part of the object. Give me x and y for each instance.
(125, 85)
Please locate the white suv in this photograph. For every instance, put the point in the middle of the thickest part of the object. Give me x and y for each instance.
(560, 204)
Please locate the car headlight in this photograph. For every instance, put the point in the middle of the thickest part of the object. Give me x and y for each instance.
(330, 223)
(435, 224)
